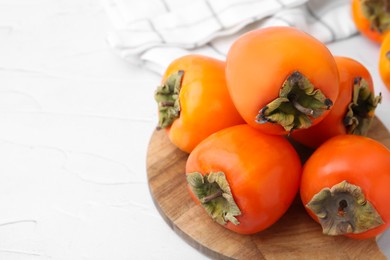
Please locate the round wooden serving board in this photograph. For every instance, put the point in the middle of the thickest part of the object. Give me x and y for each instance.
(294, 236)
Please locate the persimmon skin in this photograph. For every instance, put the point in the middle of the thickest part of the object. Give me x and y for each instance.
(263, 172)
(363, 24)
(384, 62)
(333, 123)
(360, 161)
(206, 106)
(261, 60)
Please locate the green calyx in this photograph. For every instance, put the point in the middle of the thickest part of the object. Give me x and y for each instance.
(377, 13)
(343, 209)
(361, 110)
(298, 103)
(167, 98)
(213, 192)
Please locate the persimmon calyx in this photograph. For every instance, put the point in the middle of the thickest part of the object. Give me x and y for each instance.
(361, 110)
(377, 13)
(167, 98)
(298, 103)
(213, 192)
(343, 209)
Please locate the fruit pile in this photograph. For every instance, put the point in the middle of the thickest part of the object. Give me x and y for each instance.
(233, 117)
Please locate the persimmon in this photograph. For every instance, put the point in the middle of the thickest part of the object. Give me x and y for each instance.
(193, 100)
(354, 109)
(384, 61)
(281, 79)
(345, 186)
(372, 18)
(243, 178)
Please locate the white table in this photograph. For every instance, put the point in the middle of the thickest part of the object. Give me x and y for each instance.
(75, 122)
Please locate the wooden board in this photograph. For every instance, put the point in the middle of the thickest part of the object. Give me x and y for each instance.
(294, 236)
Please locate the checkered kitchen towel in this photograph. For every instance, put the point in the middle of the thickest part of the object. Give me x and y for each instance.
(154, 32)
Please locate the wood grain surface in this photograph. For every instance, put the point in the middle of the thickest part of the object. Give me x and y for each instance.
(294, 236)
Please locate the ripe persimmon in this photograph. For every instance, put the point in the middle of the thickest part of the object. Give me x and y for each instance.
(193, 100)
(281, 79)
(244, 179)
(345, 186)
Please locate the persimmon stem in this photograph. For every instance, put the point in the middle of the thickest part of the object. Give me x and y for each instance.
(213, 192)
(342, 205)
(305, 110)
(167, 104)
(211, 196)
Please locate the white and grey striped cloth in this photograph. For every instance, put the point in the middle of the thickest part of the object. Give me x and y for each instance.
(154, 32)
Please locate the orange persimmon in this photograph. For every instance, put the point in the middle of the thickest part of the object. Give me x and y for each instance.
(345, 186)
(244, 179)
(353, 111)
(372, 18)
(193, 100)
(281, 79)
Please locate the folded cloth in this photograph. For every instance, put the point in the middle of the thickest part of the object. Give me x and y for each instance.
(155, 32)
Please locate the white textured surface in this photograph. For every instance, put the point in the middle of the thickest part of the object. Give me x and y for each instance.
(75, 121)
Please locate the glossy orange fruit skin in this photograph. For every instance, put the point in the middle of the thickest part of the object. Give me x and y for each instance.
(206, 106)
(360, 161)
(260, 61)
(384, 62)
(333, 123)
(362, 23)
(263, 172)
